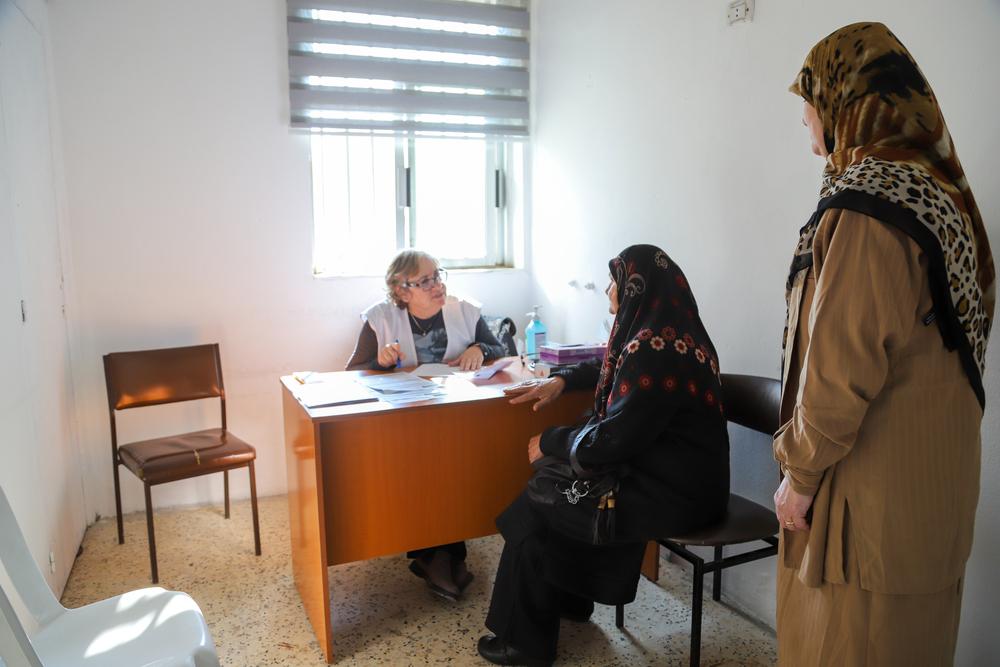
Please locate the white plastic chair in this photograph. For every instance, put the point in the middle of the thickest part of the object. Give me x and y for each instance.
(146, 627)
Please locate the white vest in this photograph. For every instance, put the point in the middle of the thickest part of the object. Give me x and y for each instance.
(391, 323)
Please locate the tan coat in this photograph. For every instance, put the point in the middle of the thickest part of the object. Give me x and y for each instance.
(879, 419)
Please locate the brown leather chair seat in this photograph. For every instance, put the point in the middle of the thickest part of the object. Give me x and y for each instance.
(185, 455)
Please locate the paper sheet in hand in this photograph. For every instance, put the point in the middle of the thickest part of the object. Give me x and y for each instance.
(486, 372)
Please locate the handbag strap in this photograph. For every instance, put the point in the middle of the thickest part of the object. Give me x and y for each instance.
(574, 462)
(619, 470)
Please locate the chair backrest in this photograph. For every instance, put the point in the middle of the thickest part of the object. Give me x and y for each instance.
(752, 401)
(26, 578)
(170, 375)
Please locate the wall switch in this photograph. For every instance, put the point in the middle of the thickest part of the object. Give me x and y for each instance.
(52, 562)
(740, 10)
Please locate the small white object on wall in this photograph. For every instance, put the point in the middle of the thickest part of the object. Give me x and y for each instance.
(740, 10)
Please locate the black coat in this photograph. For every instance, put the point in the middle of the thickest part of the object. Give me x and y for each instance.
(677, 460)
(658, 417)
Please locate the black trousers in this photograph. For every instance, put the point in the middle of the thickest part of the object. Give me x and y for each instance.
(456, 550)
(543, 574)
(525, 608)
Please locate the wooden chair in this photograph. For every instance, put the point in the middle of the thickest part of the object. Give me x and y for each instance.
(149, 626)
(155, 377)
(752, 402)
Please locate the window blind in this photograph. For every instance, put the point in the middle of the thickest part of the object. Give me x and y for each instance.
(408, 66)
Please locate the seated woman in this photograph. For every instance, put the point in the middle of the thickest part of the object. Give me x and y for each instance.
(419, 323)
(658, 420)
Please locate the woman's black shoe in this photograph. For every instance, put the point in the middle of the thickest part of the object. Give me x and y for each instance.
(493, 649)
(437, 573)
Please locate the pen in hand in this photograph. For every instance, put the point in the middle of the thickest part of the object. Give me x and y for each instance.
(399, 361)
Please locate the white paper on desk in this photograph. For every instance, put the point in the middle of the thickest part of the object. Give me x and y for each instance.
(395, 383)
(415, 396)
(486, 372)
(319, 394)
(434, 370)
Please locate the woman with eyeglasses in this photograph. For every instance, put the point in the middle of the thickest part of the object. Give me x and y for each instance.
(419, 323)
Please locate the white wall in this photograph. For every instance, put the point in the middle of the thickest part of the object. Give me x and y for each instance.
(39, 462)
(191, 221)
(189, 199)
(656, 122)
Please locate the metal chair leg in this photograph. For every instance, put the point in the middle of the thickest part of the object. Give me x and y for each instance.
(253, 506)
(225, 489)
(699, 582)
(152, 537)
(717, 576)
(118, 502)
(619, 616)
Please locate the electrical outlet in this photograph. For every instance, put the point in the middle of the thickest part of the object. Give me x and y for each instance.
(52, 562)
(740, 10)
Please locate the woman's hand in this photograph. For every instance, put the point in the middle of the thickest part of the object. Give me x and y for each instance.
(542, 391)
(791, 507)
(535, 448)
(470, 360)
(389, 355)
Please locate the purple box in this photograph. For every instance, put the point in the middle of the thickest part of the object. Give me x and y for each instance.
(559, 353)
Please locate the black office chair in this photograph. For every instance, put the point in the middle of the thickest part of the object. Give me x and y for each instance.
(504, 329)
(752, 402)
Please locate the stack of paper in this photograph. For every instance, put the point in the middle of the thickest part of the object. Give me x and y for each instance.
(329, 392)
(401, 388)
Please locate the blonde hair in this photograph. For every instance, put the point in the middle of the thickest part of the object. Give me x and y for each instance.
(404, 265)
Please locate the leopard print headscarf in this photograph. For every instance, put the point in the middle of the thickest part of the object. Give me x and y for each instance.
(892, 157)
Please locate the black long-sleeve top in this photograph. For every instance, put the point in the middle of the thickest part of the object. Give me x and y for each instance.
(677, 459)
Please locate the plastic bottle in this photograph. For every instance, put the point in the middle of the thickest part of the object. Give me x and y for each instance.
(534, 334)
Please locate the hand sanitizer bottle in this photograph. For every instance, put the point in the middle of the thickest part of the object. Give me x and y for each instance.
(534, 334)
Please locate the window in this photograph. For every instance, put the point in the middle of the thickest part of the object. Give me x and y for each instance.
(374, 194)
(414, 108)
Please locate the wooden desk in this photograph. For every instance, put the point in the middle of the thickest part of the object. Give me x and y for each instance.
(372, 479)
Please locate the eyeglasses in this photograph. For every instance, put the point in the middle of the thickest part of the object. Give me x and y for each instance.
(428, 283)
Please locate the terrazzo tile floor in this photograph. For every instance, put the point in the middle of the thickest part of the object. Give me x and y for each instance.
(382, 614)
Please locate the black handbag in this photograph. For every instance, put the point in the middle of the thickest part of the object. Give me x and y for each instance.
(577, 503)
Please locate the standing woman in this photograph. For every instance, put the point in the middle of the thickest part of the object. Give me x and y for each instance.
(419, 323)
(658, 420)
(890, 299)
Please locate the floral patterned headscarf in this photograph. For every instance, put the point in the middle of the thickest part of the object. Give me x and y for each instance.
(658, 344)
(892, 157)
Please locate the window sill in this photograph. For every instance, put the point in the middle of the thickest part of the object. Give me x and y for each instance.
(451, 272)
